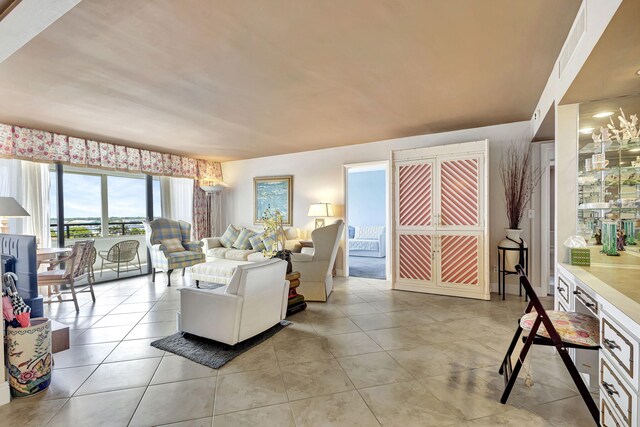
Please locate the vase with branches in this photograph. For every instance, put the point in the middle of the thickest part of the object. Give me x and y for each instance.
(273, 226)
(520, 176)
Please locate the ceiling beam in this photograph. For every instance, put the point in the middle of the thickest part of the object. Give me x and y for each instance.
(27, 19)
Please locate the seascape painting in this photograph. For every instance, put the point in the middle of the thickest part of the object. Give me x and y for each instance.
(275, 192)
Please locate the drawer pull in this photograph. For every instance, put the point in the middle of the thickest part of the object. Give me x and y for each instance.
(611, 344)
(589, 304)
(561, 290)
(609, 389)
(577, 292)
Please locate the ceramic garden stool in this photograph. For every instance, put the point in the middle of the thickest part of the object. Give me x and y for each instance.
(29, 356)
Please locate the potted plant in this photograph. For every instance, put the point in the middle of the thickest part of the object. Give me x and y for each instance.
(519, 176)
(272, 220)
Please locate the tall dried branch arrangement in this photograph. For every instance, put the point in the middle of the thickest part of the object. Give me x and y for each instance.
(519, 178)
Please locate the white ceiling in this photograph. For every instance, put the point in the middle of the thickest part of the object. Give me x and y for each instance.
(231, 79)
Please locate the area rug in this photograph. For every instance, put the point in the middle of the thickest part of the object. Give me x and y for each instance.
(367, 267)
(212, 353)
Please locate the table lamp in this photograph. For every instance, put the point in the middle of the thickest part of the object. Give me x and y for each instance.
(9, 208)
(320, 211)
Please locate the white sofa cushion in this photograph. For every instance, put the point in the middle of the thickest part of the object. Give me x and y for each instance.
(217, 271)
(237, 254)
(369, 232)
(218, 252)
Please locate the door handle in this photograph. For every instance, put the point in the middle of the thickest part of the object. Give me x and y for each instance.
(611, 344)
(609, 389)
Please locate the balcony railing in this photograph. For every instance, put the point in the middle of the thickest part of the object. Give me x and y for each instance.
(94, 229)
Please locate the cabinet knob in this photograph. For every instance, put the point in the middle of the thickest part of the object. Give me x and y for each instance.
(611, 344)
(576, 292)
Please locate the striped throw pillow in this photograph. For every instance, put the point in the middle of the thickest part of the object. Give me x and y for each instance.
(256, 243)
(229, 237)
(269, 240)
(173, 245)
(242, 242)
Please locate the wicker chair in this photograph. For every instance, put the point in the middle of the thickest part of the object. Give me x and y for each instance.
(76, 269)
(92, 261)
(122, 254)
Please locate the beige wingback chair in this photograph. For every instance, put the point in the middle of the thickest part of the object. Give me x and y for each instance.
(316, 282)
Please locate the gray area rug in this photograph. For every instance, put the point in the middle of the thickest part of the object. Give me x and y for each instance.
(212, 353)
(367, 267)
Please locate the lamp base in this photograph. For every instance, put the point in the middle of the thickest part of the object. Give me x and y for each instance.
(319, 222)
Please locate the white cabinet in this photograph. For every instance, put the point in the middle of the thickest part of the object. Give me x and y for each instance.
(440, 225)
(615, 368)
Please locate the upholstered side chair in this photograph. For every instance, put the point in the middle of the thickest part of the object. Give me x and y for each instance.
(163, 229)
(316, 280)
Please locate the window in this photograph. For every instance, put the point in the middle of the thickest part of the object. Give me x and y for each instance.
(82, 195)
(126, 204)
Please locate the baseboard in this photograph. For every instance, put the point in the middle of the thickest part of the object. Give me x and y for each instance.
(5, 395)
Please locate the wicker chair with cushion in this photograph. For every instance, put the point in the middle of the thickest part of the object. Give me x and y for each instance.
(170, 246)
(121, 255)
(76, 269)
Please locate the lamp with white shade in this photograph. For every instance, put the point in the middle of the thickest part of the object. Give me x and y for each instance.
(320, 211)
(213, 186)
(10, 208)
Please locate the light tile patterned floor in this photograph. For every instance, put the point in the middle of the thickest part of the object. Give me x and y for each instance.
(370, 356)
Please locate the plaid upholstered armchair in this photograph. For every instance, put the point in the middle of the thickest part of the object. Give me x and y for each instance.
(170, 246)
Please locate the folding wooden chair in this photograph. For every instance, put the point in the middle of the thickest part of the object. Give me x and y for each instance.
(559, 329)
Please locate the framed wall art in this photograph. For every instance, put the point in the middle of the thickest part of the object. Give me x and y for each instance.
(275, 192)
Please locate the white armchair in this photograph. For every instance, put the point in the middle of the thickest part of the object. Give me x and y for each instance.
(254, 301)
(316, 281)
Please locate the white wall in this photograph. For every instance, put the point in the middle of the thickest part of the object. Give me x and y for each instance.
(318, 176)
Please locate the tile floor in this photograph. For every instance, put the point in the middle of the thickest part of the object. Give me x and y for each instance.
(370, 356)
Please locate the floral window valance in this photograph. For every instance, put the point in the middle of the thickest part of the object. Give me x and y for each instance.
(40, 146)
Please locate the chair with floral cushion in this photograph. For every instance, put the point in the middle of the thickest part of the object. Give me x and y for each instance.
(170, 246)
(559, 329)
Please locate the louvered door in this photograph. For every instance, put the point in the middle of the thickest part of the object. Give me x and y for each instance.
(415, 222)
(440, 221)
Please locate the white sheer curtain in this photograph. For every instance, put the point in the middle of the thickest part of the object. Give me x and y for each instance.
(29, 184)
(177, 198)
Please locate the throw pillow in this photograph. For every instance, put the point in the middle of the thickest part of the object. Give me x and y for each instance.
(173, 245)
(256, 243)
(242, 241)
(352, 232)
(269, 242)
(229, 237)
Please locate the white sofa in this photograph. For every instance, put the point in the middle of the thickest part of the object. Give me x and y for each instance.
(254, 300)
(213, 249)
(368, 241)
(221, 262)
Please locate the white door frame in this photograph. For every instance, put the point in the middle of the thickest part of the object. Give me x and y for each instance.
(547, 156)
(345, 182)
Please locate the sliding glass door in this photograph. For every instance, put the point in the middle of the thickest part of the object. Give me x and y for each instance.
(107, 206)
